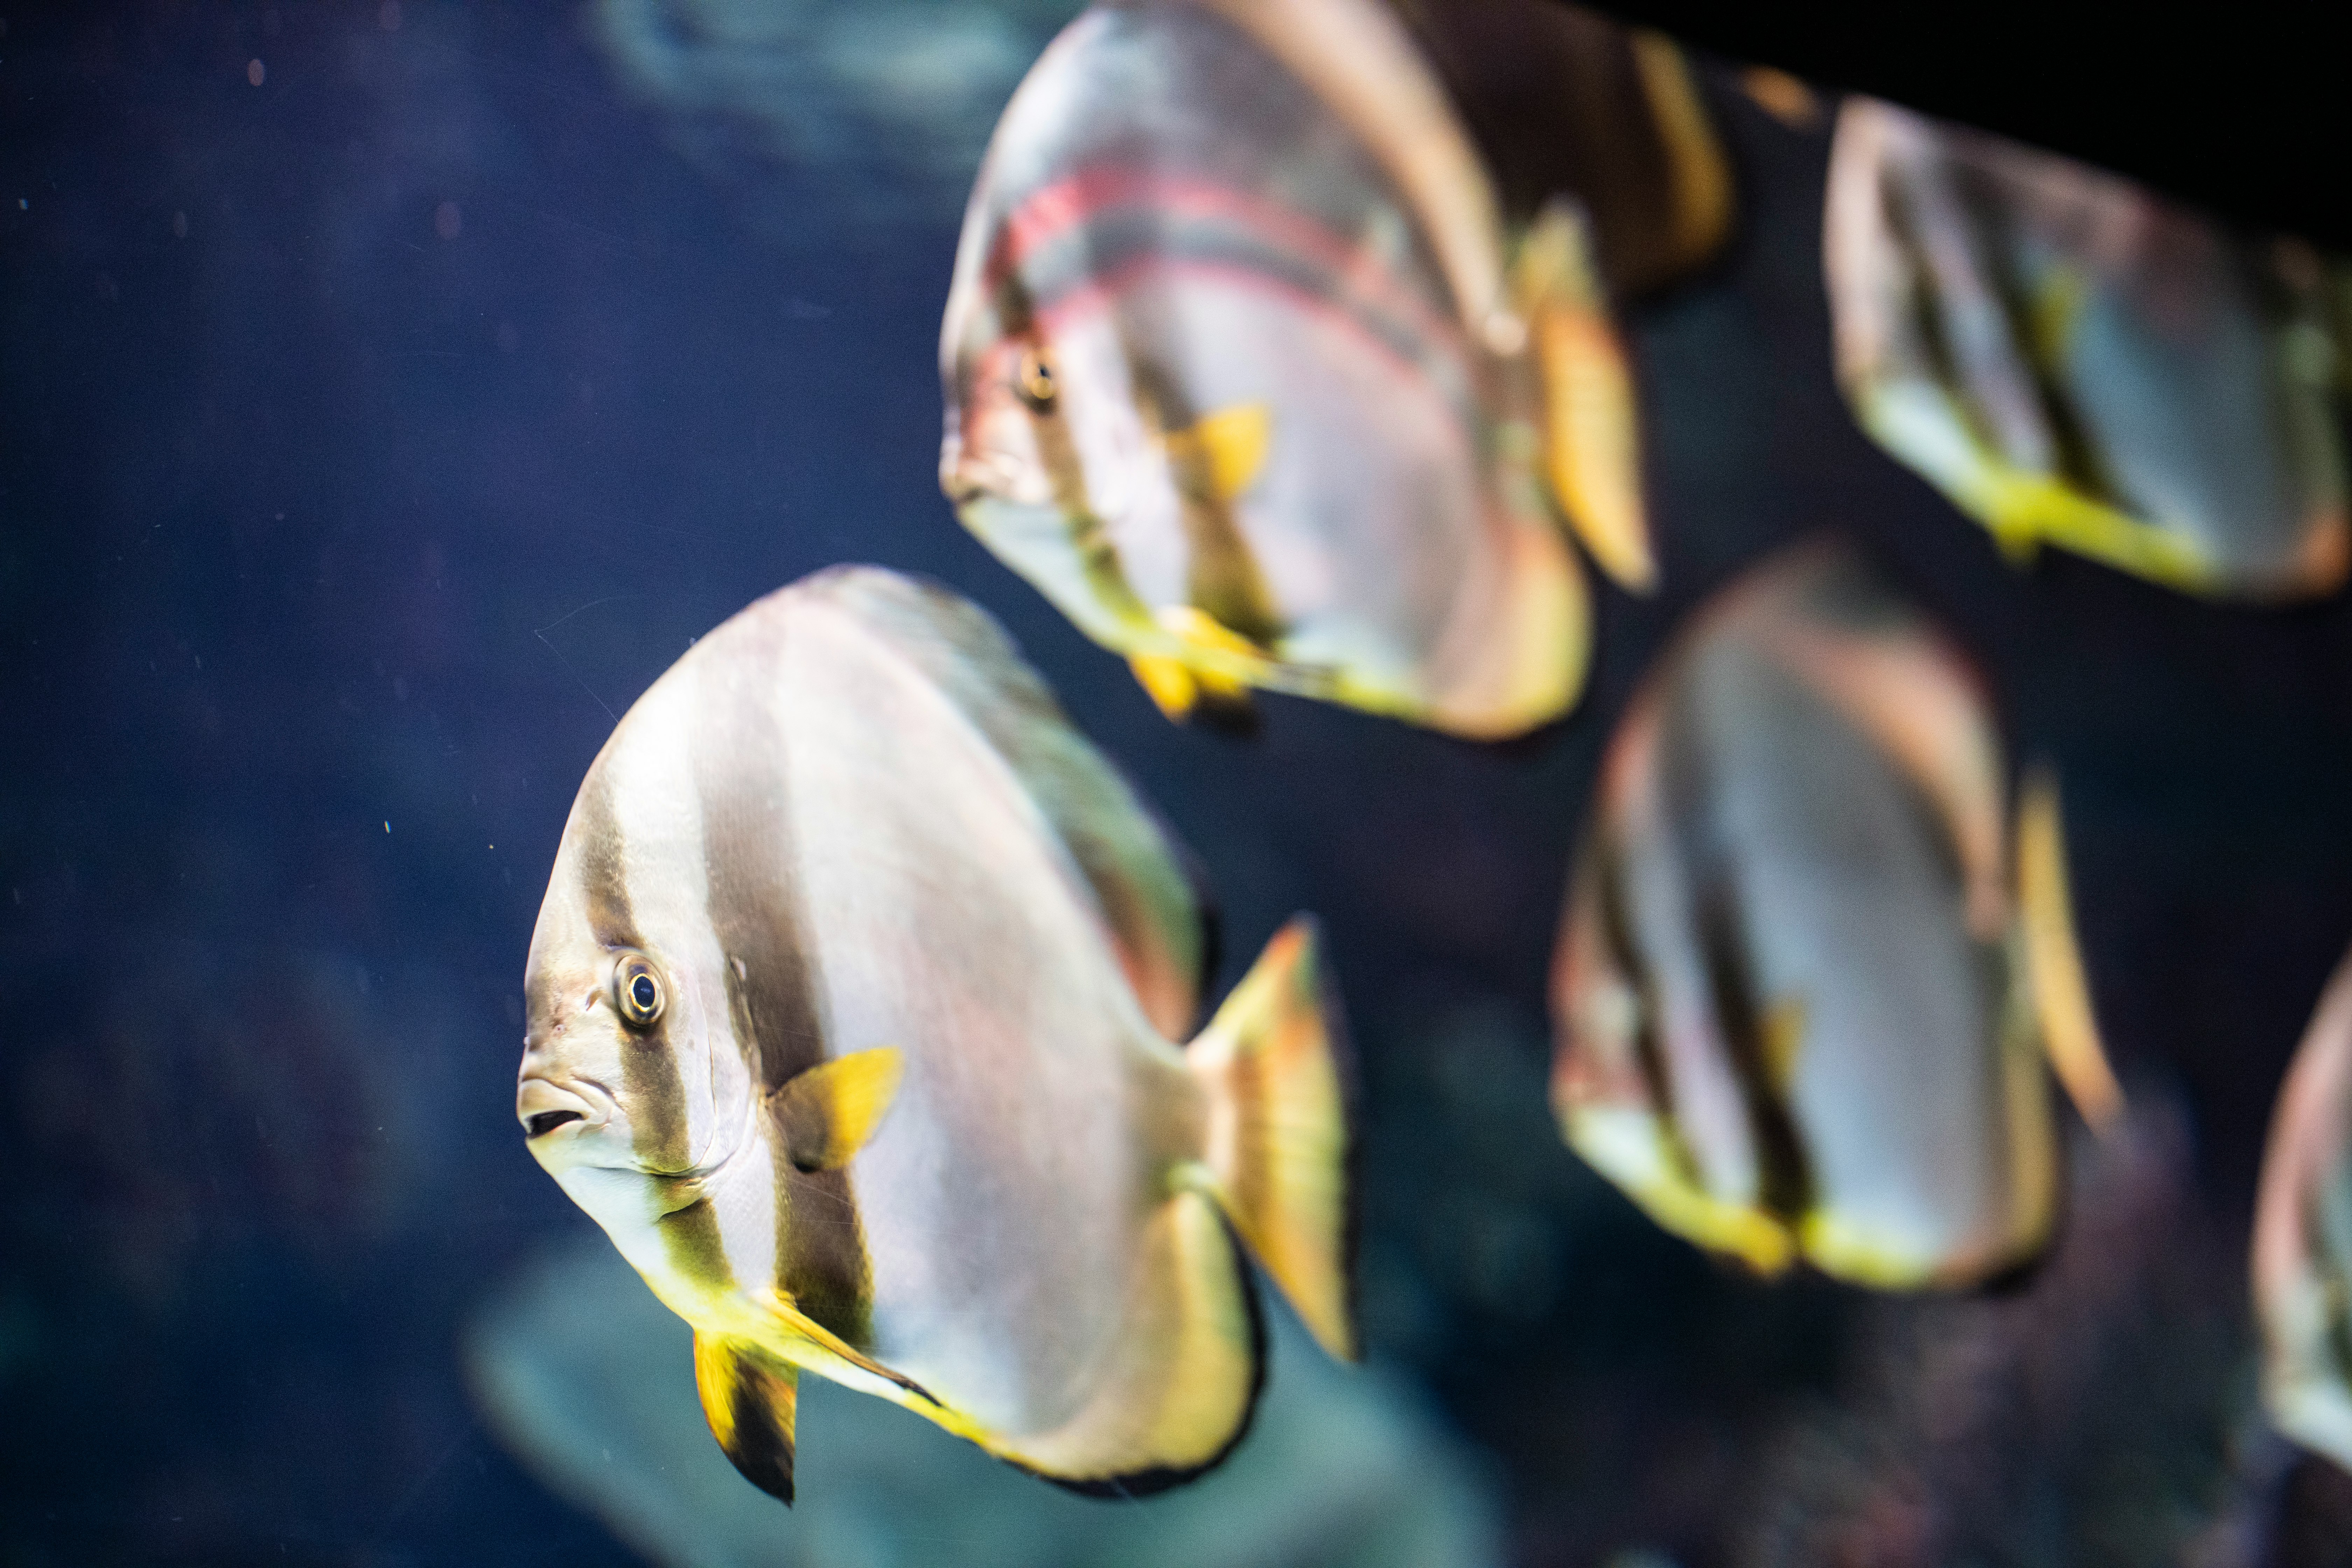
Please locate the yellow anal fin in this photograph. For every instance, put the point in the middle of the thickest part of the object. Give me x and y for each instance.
(1591, 445)
(829, 1112)
(2054, 958)
(1222, 452)
(1278, 1132)
(1205, 680)
(750, 1402)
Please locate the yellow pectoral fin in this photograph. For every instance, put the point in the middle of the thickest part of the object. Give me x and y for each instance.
(1226, 448)
(750, 1401)
(829, 1112)
(2053, 960)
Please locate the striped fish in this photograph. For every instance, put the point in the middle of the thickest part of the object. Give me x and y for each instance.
(2072, 360)
(1245, 371)
(848, 1018)
(2303, 1236)
(1802, 1001)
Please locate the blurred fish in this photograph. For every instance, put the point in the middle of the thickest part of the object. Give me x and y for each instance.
(1245, 371)
(847, 1012)
(1563, 101)
(589, 1381)
(2302, 1236)
(1801, 1005)
(2071, 359)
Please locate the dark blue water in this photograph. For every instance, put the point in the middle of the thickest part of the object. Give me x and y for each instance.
(371, 436)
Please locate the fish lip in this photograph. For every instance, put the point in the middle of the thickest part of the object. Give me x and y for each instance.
(535, 1095)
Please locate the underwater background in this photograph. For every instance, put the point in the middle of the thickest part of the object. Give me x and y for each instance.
(390, 392)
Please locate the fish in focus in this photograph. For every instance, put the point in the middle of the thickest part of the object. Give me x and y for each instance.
(848, 1011)
(1802, 992)
(2302, 1259)
(2072, 359)
(1245, 371)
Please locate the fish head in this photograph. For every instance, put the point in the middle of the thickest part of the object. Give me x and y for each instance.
(627, 1092)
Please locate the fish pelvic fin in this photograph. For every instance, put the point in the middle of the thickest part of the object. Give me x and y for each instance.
(828, 1113)
(1209, 677)
(2054, 958)
(1591, 447)
(1225, 449)
(1274, 1063)
(750, 1401)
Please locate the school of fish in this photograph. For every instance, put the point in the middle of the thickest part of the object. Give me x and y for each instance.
(1282, 351)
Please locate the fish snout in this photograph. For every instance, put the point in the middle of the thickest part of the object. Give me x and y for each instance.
(544, 1106)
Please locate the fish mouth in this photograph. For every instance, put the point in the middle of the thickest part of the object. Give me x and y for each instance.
(545, 1107)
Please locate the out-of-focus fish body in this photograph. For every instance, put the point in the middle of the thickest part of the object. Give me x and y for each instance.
(848, 1011)
(2302, 1259)
(1243, 374)
(2071, 359)
(1564, 101)
(1798, 1013)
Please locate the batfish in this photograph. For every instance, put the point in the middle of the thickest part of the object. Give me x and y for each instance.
(2302, 1236)
(1247, 373)
(2071, 359)
(848, 1018)
(1802, 992)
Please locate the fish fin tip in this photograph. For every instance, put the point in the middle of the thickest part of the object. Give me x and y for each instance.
(751, 1403)
(831, 1112)
(1168, 683)
(1277, 1065)
(2054, 958)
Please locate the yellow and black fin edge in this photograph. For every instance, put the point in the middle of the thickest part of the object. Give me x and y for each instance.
(1281, 1140)
(2054, 958)
(827, 1113)
(750, 1402)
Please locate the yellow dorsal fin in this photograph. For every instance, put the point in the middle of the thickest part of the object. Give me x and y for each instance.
(2054, 961)
(1591, 447)
(828, 1112)
(1783, 1040)
(750, 1401)
(1226, 448)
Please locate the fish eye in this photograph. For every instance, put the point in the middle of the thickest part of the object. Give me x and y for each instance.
(1034, 379)
(636, 991)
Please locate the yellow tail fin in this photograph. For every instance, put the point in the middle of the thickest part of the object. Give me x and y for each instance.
(2062, 995)
(1272, 1061)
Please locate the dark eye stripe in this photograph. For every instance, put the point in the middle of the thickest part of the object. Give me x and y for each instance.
(651, 1089)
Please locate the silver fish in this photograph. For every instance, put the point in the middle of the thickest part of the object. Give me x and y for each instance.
(2301, 1260)
(1800, 1002)
(1244, 372)
(2072, 360)
(849, 1017)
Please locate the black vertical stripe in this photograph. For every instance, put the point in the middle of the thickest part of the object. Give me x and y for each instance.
(772, 985)
(1710, 865)
(652, 1093)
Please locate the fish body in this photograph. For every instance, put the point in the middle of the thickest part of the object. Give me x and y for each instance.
(1799, 1011)
(1243, 374)
(849, 1010)
(2072, 359)
(1565, 102)
(2302, 1255)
